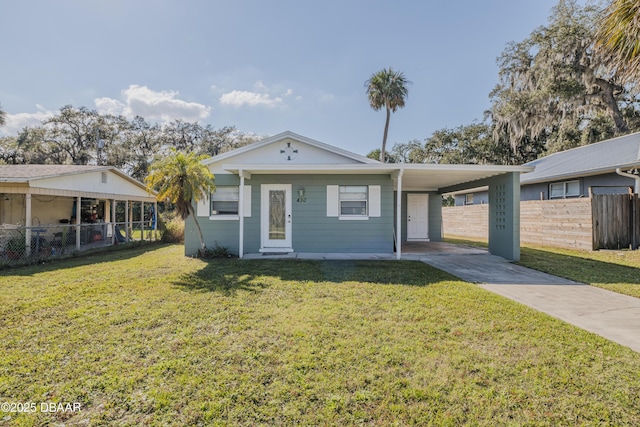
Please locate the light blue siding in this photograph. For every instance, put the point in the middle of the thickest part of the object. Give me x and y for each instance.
(312, 230)
(435, 215)
(504, 216)
(223, 233)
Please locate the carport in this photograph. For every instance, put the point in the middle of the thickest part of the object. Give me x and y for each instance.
(504, 199)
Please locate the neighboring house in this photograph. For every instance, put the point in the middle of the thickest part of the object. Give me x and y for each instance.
(579, 172)
(290, 193)
(47, 200)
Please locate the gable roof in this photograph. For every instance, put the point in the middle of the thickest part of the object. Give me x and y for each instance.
(28, 173)
(289, 135)
(593, 159)
(23, 173)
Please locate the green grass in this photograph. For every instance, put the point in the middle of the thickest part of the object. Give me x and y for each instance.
(148, 337)
(618, 271)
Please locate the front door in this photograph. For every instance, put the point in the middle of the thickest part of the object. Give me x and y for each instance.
(417, 217)
(275, 220)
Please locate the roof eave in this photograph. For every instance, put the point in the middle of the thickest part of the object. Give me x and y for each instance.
(578, 174)
(377, 166)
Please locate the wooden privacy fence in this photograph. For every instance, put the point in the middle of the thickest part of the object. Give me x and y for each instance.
(616, 221)
(564, 223)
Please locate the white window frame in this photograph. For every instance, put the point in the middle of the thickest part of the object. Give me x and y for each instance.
(468, 199)
(565, 191)
(373, 203)
(234, 216)
(341, 192)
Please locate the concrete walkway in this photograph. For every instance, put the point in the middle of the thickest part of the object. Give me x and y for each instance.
(613, 316)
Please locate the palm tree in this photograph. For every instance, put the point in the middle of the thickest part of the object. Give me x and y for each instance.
(618, 37)
(388, 89)
(182, 179)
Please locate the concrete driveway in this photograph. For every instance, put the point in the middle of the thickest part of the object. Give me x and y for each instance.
(611, 315)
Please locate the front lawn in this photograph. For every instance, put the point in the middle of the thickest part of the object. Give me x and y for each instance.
(148, 337)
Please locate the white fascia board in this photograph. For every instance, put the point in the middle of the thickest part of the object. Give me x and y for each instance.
(373, 168)
(305, 169)
(456, 167)
(414, 189)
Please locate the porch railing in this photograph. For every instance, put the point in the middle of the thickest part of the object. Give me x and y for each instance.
(20, 243)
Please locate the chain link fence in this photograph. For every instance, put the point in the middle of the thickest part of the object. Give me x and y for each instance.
(21, 245)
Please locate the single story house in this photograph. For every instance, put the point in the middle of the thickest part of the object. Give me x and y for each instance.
(606, 167)
(42, 203)
(290, 193)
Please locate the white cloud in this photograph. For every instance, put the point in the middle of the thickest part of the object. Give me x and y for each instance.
(109, 106)
(152, 105)
(14, 123)
(262, 95)
(238, 98)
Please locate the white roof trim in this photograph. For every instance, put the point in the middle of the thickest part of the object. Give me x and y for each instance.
(372, 168)
(290, 135)
(578, 174)
(424, 176)
(56, 175)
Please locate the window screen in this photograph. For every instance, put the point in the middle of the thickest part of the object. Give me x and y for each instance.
(224, 201)
(353, 200)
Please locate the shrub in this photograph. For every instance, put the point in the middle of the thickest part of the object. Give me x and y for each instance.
(217, 252)
(171, 227)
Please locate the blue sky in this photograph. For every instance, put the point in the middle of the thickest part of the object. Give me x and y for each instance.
(262, 66)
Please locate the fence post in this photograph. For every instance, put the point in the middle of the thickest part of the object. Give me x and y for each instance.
(78, 215)
(27, 230)
(113, 221)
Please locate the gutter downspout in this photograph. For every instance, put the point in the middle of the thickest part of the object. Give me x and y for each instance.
(636, 187)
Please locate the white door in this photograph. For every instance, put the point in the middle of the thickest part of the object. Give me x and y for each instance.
(417, 217)
(275, 220)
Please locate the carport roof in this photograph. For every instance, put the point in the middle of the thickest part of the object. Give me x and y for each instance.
(432, 177)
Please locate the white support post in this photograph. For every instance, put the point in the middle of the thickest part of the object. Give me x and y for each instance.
(399, 216)
(113, 221)
(241, 215)
(142, 221)
(78, 218)
(130, 224)
(28, 224)
(127, 217)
